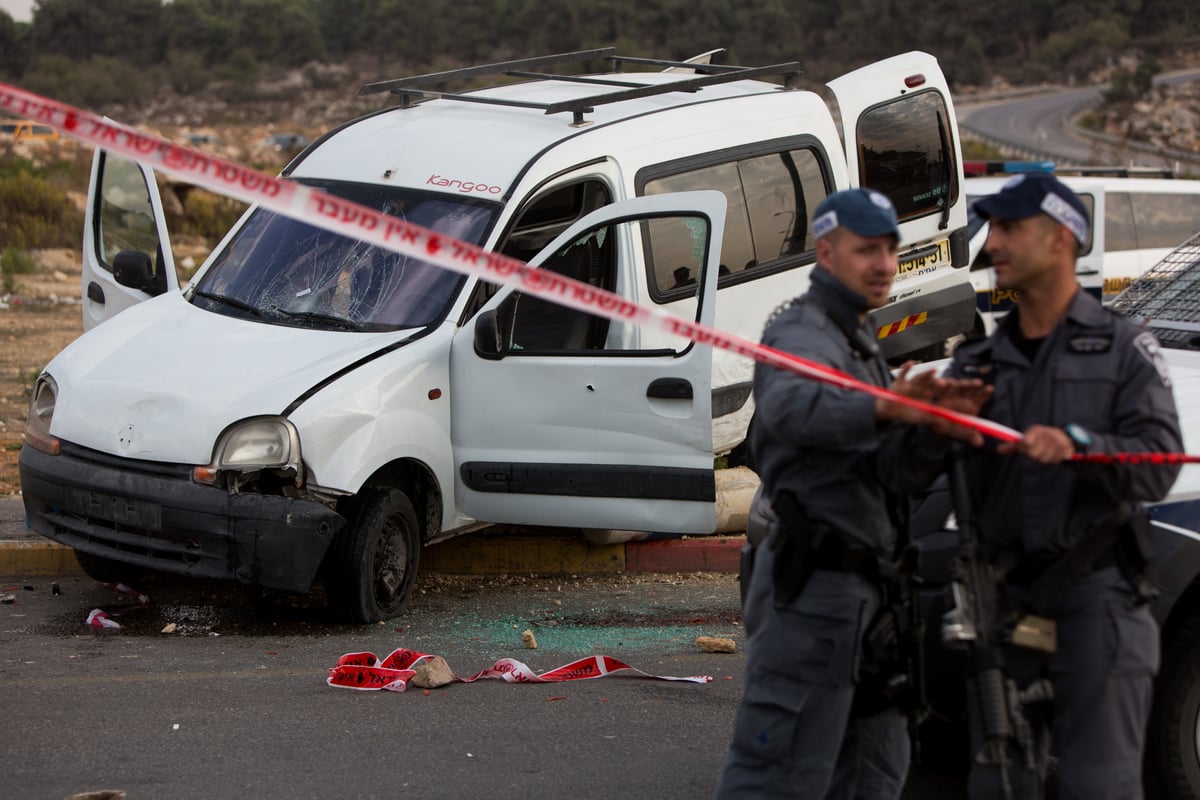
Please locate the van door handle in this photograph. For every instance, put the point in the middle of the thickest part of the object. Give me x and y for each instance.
(95, 293)
(670, 389)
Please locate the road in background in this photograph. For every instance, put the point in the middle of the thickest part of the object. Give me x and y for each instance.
(1039, 126)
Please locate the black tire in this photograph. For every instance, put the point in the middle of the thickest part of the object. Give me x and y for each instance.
(107, 570)
(1172, 768)
(373, 562)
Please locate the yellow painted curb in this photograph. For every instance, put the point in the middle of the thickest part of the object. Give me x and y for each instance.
(39, 559)
(512, 555)
(468, 556)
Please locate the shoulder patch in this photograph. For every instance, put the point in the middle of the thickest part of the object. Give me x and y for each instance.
(1151, 350)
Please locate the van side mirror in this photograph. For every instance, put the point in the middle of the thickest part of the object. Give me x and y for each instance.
(134, 269)
(488, 341)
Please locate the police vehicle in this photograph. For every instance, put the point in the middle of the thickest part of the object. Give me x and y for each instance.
(1138, 216)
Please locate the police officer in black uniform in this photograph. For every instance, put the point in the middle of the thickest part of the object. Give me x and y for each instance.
(1067, 539)
(830, 463)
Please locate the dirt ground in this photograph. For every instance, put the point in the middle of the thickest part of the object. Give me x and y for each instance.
(38, 319)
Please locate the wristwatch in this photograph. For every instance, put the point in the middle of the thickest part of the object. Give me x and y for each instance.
(1079, 437)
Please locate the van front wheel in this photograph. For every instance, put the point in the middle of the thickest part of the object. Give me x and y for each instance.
(373, 562)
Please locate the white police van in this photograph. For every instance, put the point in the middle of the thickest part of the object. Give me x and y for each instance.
(311, 407)
(1136, 221)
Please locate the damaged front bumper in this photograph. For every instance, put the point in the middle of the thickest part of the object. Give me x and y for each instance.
(153, 515)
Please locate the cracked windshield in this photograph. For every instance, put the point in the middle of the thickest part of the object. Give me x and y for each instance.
(288, 272)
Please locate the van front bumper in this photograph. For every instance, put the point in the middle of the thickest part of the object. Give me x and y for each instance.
(153, 515)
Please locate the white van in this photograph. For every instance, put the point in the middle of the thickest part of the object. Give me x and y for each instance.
(311, 406)
(1136, 221)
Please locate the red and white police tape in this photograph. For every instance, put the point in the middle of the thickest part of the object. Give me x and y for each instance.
(351, 219)
(365, 672)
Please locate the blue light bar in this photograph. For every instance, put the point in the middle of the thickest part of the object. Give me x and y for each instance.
(974, 168)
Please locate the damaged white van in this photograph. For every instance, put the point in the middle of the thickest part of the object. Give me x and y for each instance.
(310, 407)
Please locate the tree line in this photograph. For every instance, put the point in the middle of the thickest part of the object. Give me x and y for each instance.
(97, 52)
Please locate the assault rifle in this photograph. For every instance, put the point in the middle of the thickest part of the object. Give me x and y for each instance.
(913, 700)
(975, 623)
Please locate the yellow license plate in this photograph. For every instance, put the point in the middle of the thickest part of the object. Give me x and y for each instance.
(926, 259)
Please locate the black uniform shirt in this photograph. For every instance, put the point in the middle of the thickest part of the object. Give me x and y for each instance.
(818, 441)
(1098, 370)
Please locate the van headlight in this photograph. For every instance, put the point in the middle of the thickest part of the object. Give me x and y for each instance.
(41, 411)
(255, 445)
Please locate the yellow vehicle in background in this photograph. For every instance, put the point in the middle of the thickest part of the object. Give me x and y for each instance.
(27, 131)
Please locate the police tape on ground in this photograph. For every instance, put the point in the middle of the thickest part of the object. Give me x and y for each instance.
(366, 672)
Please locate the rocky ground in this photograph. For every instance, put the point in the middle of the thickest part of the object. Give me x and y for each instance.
(37, 319)
(1168, 117)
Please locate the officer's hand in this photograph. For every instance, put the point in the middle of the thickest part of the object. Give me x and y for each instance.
(964, 397)
(923, 386)
(954, 394)
(1046, 444)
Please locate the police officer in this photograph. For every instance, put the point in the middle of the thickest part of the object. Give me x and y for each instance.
(1067, 538)
(829, 463)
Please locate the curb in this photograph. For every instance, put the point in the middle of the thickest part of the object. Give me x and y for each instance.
(38, 559)
(475, 555)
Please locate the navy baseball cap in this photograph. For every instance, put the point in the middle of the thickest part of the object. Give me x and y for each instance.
(864, 211)
(1036, 193)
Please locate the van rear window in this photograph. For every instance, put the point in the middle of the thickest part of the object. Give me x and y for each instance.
(906, 151)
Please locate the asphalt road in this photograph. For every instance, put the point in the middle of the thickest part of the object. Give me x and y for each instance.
(234, 704)
(1040, 125)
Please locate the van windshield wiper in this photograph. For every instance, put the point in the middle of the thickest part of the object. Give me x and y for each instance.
(229, 301)
(329, 319)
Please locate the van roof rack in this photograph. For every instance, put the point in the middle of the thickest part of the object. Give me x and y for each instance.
(412, 90)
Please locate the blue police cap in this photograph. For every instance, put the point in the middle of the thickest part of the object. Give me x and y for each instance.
(864, 211)
(1036, 193)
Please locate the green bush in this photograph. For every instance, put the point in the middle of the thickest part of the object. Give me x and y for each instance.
(205, 214)
(13, 263)
(188, 73)
(975, 150)
(241, 72)
(93, 84)
(33, 213)
(1087, 46)
(1128, 87)
(16, 262)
